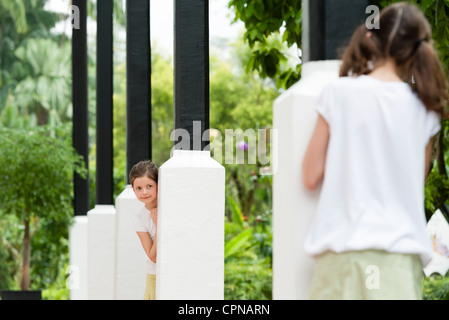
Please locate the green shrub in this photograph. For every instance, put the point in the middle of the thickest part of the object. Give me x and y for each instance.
(436, 287)
(248, 279)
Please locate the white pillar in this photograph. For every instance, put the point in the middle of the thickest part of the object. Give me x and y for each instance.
(130, 272)
(294, 117)
(101, 252)
(77, 281)
(190, 251)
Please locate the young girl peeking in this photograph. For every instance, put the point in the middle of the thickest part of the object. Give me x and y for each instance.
(143, 178)
(371, 149)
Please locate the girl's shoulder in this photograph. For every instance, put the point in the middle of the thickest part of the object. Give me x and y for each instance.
(342, 83)
(363, 84)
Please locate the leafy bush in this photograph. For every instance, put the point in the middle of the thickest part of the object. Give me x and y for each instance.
(248, 251)
(248, 279)
(436, 287)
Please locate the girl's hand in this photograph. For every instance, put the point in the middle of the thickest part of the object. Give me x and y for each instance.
(154, 215)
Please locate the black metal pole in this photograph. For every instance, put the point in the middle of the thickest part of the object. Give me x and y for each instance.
(80, 111)
(104, 170)
(330, 26)
(191, 87)
(138, 64)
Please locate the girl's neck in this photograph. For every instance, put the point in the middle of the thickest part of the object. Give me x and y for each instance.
(386, 71)
(151, 206)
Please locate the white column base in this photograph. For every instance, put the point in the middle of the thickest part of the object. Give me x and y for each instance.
(293, 205)
(190, 251)
(130, 274)
(101, 252)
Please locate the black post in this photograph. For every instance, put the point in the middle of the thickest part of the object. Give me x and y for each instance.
(329, 25)
(138, 63)
(80, 111)
(191, 87)
(104, 171)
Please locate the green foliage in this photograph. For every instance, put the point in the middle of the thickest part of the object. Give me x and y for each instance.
(248, 270)
(248, 250)
(42, 86)
(264, 18)
(161, 106)
(436, 287)
(34, 63)
(58, 288)
(14, 9)
(36, 179)
(9, 251)
(37, 168)
(248, 279)
(264, 21)
(50, 255)
(238, 242)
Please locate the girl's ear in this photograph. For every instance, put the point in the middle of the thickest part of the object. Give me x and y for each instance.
(369, 34)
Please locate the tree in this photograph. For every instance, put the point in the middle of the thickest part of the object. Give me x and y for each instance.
(264, 21)
(36, 179)
(41, 81)
(21, 21)
(15, 10)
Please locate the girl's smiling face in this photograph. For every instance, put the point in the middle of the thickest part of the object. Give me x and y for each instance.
(146, 191)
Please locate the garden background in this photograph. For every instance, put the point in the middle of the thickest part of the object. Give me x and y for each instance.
(35, 99)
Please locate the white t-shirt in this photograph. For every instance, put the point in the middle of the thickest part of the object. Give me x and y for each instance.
(373, 189)
(144, 223)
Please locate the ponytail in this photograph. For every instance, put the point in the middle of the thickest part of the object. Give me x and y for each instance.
(427, 79)
(359, 54)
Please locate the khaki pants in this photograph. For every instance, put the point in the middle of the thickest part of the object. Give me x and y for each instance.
(150, 291)
(367, 275)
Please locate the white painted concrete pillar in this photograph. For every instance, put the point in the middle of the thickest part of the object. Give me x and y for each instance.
(130, 259)
(190, 248)
(294, 116)
(78, 269)
(101, 252)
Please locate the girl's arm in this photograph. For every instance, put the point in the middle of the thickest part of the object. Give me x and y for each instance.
(152, 254)
(153, 250)
(315, 157)
(148, 245)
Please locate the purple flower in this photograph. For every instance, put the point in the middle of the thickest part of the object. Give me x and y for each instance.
(242, 145)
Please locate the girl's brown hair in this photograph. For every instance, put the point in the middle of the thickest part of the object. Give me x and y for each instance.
(405, 36)
(144, 169)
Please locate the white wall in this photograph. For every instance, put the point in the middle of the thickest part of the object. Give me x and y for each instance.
(294, 117)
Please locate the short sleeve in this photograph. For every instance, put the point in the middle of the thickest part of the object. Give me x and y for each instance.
(433, 124)
(139, 224)
(324, 103)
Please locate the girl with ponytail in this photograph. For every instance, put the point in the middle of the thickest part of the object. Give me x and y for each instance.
(371, 151)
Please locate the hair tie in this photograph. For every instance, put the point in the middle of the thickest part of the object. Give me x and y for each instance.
(417, 44)
(419, 41)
